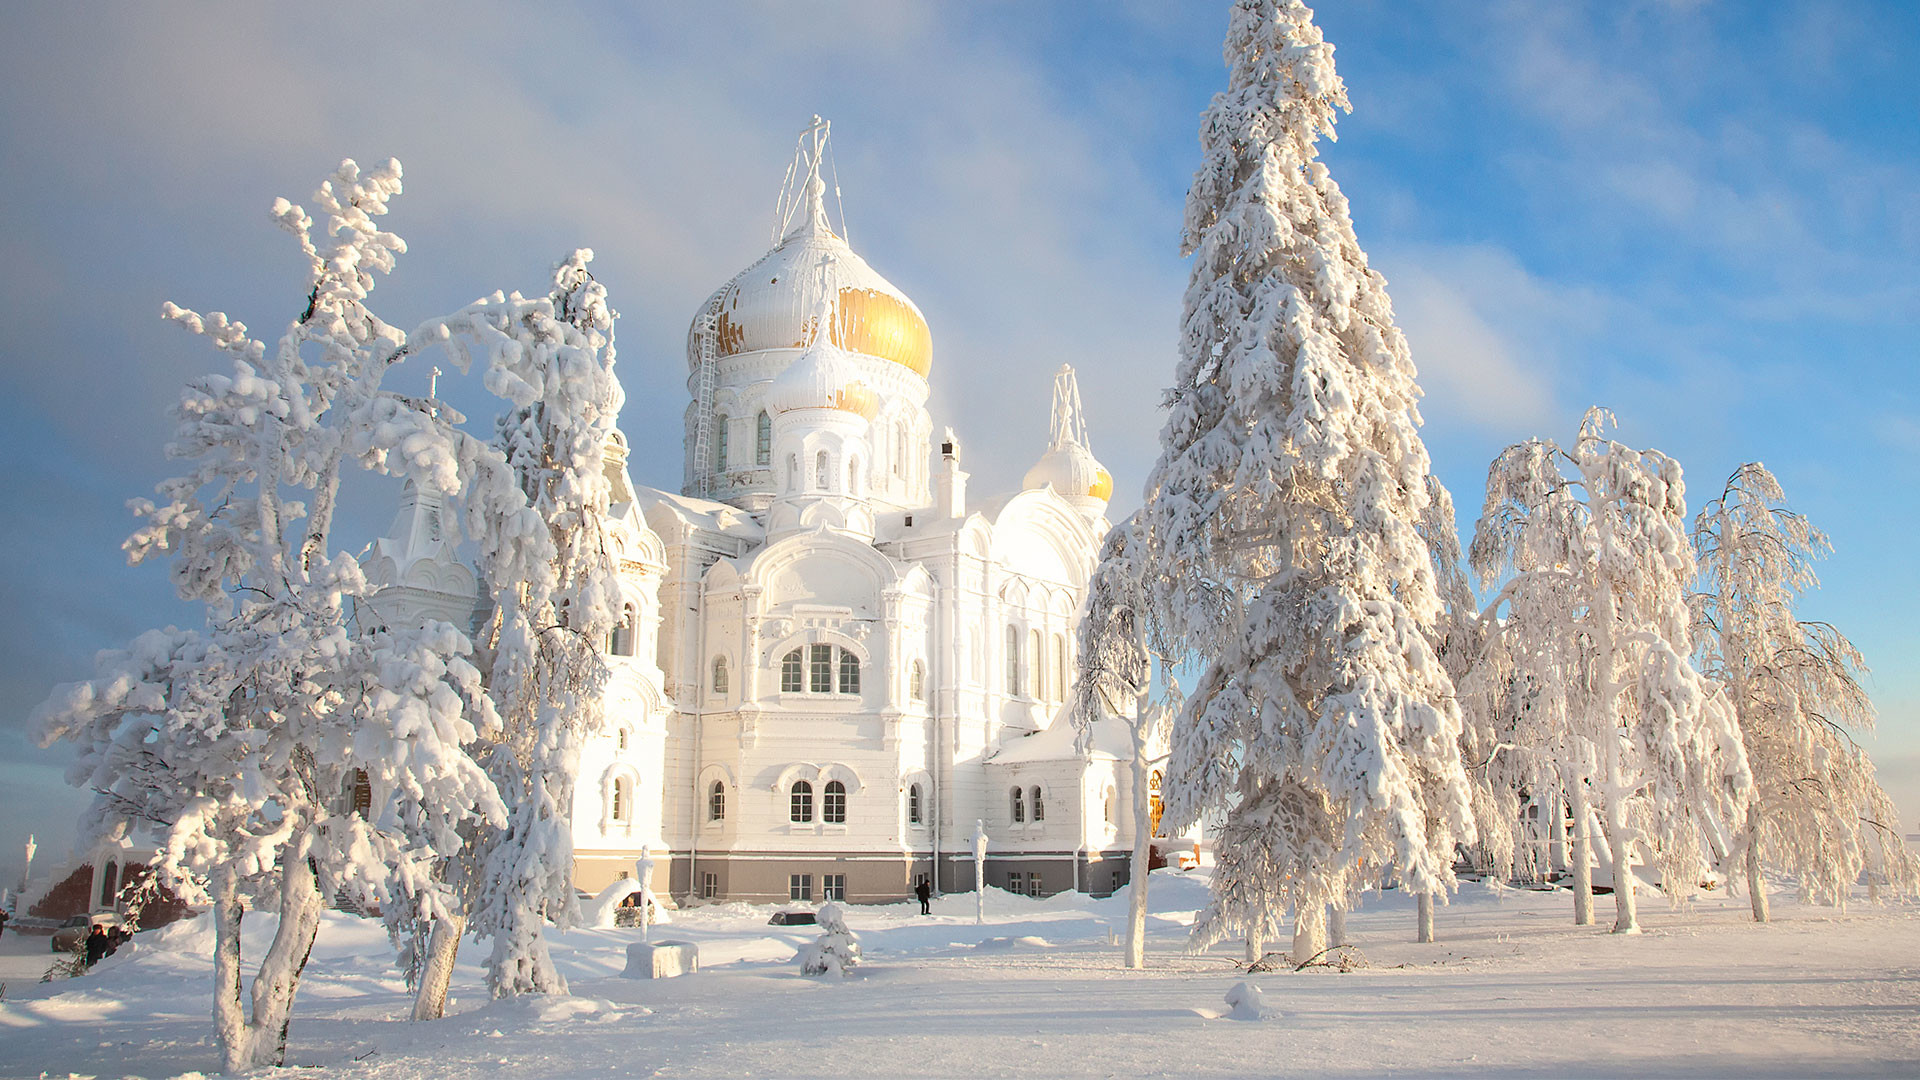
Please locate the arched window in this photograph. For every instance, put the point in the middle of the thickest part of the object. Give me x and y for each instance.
(763, 439)
(800, 803)
(1039, 662)
(913, 805)
(109, 883)
(717, 801)
(820, 470)
(620, 739)
(1110, 803)
(1013, 661)
(1155, 807)
(1019, 806)
(620, 642)
(849, 673)
(720, 675)
(853, 477)
(622, 799)
(917, 682)
(720, 442)
(790, 666)
(1039, 808)
(793, 472)
(833, 803)
(900, 452)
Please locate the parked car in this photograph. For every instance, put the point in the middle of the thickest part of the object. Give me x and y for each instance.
(75, 930)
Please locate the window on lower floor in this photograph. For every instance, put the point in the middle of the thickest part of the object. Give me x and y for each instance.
(833, 886)
(800, 886)
(709, 885)
(833, 803)
(1033, 883)
(1016, 881)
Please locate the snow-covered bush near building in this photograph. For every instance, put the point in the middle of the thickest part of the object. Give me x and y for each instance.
(836, 951)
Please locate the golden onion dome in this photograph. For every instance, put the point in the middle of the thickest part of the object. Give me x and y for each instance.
(772, 304)
(1102, 488)
(1072, 471)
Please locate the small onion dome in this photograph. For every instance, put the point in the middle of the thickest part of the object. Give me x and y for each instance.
(823, 378)
(771, 304)
(1072, 471)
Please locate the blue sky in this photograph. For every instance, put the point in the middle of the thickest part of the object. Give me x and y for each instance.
(1705, 216)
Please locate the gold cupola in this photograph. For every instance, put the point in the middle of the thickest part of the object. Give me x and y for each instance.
(1068, 467)
(772, 304)
(824, 377)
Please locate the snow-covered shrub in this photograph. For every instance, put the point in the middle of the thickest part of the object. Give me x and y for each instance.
(836, 951)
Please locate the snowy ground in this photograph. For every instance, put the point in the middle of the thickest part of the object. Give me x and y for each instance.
(1511, 990)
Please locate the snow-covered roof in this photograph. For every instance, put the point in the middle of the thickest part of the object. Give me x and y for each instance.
(1055, 742)
(703, 513)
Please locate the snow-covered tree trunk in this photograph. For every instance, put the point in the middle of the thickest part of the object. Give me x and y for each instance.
(1423, 931)
(1142, 843)
(1582, 866)
(1337, 924)
(1756, 884)
(436, 970)
(1309, 932)
(229, 1017)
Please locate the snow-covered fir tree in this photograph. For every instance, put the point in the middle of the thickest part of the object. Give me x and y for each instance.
(1816, 813)
(1589, 550)
(1284, 510)
(246, 743)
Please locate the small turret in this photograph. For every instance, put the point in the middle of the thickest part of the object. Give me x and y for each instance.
(1068, 466)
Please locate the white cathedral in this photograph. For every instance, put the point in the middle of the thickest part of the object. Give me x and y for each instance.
(836, 665)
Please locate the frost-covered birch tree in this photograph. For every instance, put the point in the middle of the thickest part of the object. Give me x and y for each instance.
(1284, 508)
(1816, 811)
(240, 743)
(1589, 550)
(549, 567)
(1113, 681)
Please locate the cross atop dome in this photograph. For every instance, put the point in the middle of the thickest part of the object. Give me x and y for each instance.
(803, 211)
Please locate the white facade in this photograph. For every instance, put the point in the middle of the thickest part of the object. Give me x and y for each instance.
(837, 661)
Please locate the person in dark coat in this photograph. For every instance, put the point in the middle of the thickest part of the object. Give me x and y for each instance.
(3, 920)
(924, 893)
(97, 942)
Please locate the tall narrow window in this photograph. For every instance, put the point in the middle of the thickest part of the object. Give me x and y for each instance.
(1154, 806)
(853, 477)
(622, 799)
(1013, 661)
(833, 803)
(917, 682)
(717, 801)
(720, 675)
(1060, 667)
(800, 803)
(1039, 662)
(793, 472)
(763, 439)
(720, 443)
(622, 643)
(790, 666)
(1039, 808)
(913, 805)
(820, 669)
(1019, 806)
(900, 452)
(709, 885)
(620, 740)
(820, 470)
(849, 673)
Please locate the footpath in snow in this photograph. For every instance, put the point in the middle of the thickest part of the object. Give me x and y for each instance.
(1512, 989)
